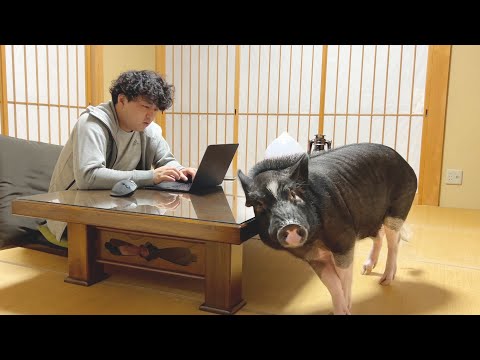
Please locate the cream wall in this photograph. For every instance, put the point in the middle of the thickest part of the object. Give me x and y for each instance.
(462, 129)
(119, 58)
(462, 146)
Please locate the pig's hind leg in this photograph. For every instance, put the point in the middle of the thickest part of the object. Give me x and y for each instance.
(393, 223)
(372, 259)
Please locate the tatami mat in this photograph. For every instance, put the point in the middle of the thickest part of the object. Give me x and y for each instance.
(438, 273)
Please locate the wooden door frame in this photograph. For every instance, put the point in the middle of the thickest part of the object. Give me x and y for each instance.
(94, 74)
(3, 91)
(160, 67)
(434, 117)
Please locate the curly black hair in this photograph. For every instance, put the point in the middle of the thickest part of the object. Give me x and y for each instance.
(144, 84)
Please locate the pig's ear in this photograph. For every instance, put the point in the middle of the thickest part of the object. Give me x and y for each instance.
(299, 171)
(247, 183)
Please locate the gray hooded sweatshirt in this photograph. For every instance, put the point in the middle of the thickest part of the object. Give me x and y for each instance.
(87, 158)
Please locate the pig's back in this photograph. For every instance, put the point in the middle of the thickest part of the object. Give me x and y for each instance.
(366, 182)
(364, 160)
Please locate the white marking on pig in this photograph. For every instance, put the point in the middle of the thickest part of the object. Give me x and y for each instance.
(393, 223)
(273, 188)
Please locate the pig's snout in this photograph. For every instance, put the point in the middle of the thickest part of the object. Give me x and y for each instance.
(292, 235)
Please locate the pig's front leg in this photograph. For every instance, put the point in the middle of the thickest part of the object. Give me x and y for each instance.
(324, 267)
(344, 269)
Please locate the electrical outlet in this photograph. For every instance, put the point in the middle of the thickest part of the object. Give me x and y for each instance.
(454, 177)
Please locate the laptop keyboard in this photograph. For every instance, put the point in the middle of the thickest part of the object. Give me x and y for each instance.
(176, 185)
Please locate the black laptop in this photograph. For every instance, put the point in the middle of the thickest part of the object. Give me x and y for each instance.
(210, 172)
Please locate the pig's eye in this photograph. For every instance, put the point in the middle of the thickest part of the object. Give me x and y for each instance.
(259, 206)
(291, 195)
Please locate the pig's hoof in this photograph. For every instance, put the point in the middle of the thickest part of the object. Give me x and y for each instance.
(385, 281)
(387, 277)
(342, 310)
(368, 266)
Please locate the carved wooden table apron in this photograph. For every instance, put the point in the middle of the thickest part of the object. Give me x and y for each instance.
(197, 236)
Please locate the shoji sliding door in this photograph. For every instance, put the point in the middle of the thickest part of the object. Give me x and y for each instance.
(43, 90)
(251, 94)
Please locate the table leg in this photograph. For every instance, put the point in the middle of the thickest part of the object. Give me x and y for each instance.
(223, 278)
(82, 267)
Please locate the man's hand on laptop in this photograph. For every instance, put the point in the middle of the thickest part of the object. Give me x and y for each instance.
(188, 173)
(168, 173)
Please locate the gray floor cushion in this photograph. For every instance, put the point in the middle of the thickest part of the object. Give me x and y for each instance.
(25, 169)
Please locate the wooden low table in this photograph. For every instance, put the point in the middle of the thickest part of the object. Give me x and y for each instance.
(198, 236)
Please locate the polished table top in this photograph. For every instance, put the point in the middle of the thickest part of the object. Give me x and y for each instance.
(216, 206)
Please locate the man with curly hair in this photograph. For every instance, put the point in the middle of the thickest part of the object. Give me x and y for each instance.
(118, 140)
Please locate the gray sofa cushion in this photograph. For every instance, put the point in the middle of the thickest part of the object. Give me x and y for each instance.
(25, 169)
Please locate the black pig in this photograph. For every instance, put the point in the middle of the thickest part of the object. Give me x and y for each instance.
(317, 207)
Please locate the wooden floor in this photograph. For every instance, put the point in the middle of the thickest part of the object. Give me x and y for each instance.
(438, 273)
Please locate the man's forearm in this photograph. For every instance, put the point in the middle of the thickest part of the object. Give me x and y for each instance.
(103, 178)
